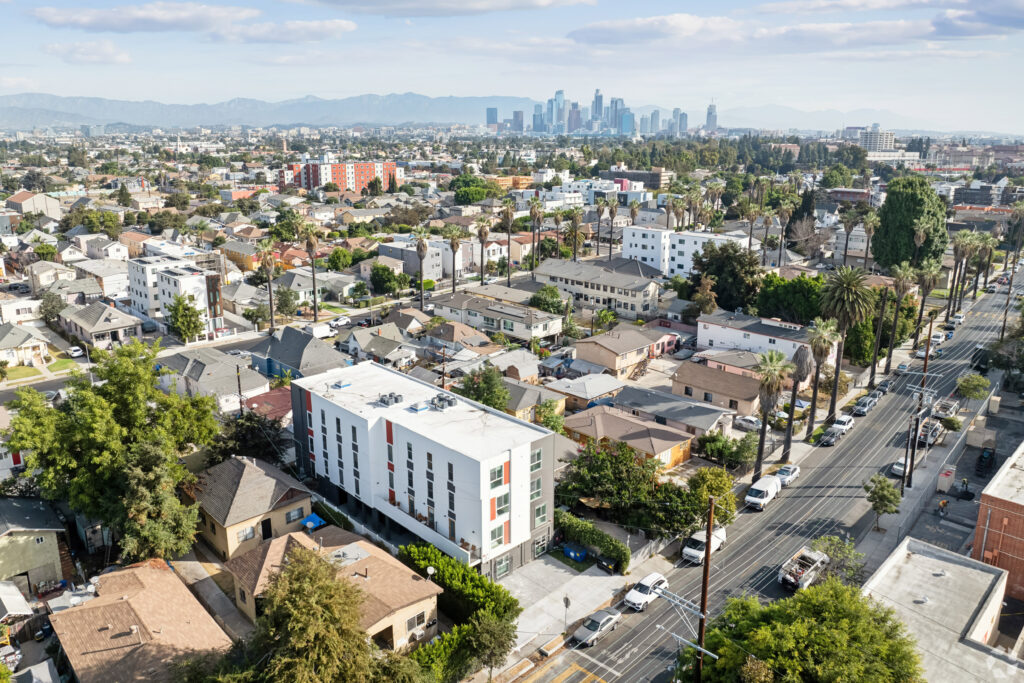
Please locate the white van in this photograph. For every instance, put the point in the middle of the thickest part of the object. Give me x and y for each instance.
(320, 330)
(763, 492)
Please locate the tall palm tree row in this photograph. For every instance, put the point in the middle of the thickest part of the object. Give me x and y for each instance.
(991, 244)
(669, 214)
(803, 363)
(970, 249)
(846, 297)
(268, 260)
(454, 235)
(768, 218)
(634, 210)
(927, 277)
(483, 231)
(680, 210)
(784, 212)
(870, 224)
(536, 220)
(903, 276)
(772, 368)
(422, 248)
(960, 240)
(310, 233)
(557, 218)
(573, 233)
(508, 212)
(849, 223)
(613, 210)
(821, 337)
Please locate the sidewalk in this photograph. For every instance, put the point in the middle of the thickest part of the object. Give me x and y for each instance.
(220, 606)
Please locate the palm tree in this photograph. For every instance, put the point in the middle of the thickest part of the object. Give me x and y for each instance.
(483, 230)
(986, 245)
(870, 223)
(992, 244)
(680, 211)
(613, 209)
(927, 278)
(803, 363)
(849, 223)
(921, 227)
(536, 219)
(422, 247)
(557, 218)
(821, 337)
(772, 368)
(693, 203)
(602, 205)
(970, 249)
(879, 322)
(669, 206)
(311, 235)
(268, 261)
(454, 235)
(767, 218)
(960, 240)
(508, 213)
(573, 234)
(784, 212)
(846, 297)
(634, 210)
(752, 213)
(602, 319)
(903, 276)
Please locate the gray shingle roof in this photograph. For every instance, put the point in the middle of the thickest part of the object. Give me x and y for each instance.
(99, 317)
(296, 349)
(27, 514)
(242, 488)
(756, 325)
(522, 395)
(669, 406)
(12, 336)
(215, 370)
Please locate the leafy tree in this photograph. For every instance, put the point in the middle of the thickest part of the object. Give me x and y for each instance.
(735, 272)
(383, 279)
(50, 307)
(547, 416)
(548, 299)
(909, 202)
(330, 187)
(883, 496)
(844, 562)
(681, 286)
(257, 315)
(952, 423)
(797, 300)
(184, 319)
(704, 298)
(249, 434)
(827, 632)
(360, 289)
(486, 386)
(287, 301)
(178, 200)
(491, 639)
(837, 176)
(340, 259)
(5, 366)
(124, 198)
(973, 386)
(45, 251)
(375, 187)
(395, 668)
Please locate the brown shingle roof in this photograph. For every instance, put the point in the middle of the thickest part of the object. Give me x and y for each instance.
(242, 488)
(719, 381)
(603, 422)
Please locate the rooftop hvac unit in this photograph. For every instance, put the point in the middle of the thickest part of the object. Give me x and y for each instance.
(341, 384)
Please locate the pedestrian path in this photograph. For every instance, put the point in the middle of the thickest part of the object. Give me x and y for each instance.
(220, 606)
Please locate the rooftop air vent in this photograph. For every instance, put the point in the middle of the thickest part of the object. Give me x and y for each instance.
(341, 384)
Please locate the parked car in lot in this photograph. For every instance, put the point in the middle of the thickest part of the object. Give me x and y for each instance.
(595, 626)
(843, 423)
(830, 437)
(886, 385)
(864, 406)
(693, 549)
(787, 474)
(645, 591)
(763, 491)
(747, 423)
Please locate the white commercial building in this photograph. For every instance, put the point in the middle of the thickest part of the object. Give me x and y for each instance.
(200, 287)
(669, 251)
(399, 453)
(143, 293)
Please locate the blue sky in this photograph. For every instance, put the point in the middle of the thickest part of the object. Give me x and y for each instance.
(942, 63)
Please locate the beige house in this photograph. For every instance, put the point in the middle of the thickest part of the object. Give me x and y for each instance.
(399, 606)
(523, 399)
(718, 387)
(607, 425)
(243, 501)
(42, 274)
(624, 352)
(30, 538)
(22, 345)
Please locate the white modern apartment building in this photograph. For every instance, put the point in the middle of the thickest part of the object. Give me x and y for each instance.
(200, 287)
(143, 293)
(669, 251)
(725, 330)
(399, 453)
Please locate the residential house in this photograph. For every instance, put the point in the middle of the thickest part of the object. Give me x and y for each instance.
(103, 248)
(79, 292)
(717, 387)
(135, 242)
(31, 536)
(146, 203)
(606, 425)
(624, 353)
(9, 221)
(353, 340)
(275, 404)
(242, 254)
(518, 364)
(366, 266)
(353, 243)
(405, 251)
(211, 372)
(295, 352)
(68, 253)
(585, 391)
(244, 501)
(239, 297)
(410, 321)
(25, 202)
(18, 309)
(22, 345)
(111, 274)
(42, 274)
(398, 607)
(357, 216)
(523, 399)
(332, 285)
(455, 340)
(99, 325)
(142, 622)
(684, 414)
(624, 286)
(725, 330)
(515, 322)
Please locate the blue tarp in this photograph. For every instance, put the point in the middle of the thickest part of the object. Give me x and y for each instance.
(316, 520)
(801, 404)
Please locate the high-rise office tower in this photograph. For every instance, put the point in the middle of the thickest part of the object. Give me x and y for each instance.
(655, 122)
(517, 121)
(560, 110)
(586, 113)
(597, 108)
(492, 116)
(712, 120)
(615, 113)
(549, 114)
(682, 122)
(627, 123)
(645, 124)
(574, 120)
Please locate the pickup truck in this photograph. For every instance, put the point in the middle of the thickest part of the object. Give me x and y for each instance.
(803, 569)
(931, 430)
(946, 407)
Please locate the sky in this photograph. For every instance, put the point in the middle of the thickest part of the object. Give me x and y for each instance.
(944, 64)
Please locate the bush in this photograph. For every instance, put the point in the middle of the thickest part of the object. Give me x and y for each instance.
(428, 285)
(449, 657)
(827, 374)
(331, 516)
(727, 451)
(953, 424)
(580, 531)
(465, 590)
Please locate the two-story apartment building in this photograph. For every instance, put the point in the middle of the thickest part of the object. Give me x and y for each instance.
(515, 322)
(725, 330)
(624, 286)
(143, 292)
(470, 480)
(622, 351)
(669, 251)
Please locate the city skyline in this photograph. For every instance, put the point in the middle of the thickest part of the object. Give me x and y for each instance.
(906, 56)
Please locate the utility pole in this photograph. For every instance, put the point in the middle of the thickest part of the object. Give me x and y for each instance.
(704, 588)
(878, 336)
(908, 474)
(906, 454)
(241, 400)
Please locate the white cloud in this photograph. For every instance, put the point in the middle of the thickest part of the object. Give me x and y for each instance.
(802, 6)
(16, 83)
(445, 8)
(285, 32)
(844, 34)
(646, 29)
(151, 17)
(90, 52)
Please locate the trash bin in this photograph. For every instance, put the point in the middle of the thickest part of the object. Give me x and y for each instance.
(946, 478)
(575, 552)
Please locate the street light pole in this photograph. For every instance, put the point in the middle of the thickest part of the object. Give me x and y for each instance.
(699, 671)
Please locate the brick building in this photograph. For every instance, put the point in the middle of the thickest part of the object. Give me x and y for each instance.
(999, 533)
(353, 176)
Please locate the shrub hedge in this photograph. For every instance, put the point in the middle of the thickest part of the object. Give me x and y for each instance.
(450, 657)
(585, 533)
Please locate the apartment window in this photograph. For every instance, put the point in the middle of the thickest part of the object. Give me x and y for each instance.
(430, 516)
(707, 396)
(451, 472)
(408, 450)
(241, 595)
(503, 503)
(410, 465)
(734, 404)
(355, 459)
(40, 539)
(688, 391)
(309, 419)
(391, 454)
(354, 439)
(536, 460)
(540, 514)
(323, 438)
(293, 515)
(771, 341)
(451, 529)
(430, 460)
(357, 483)
(323, 417)
(497, 476)
(311, 445)
(497, 536)
(409, 477)
(337, 426)
(415, 621)
(536, 489)
(503, 566)
(247, 533)
(412, 504)
(506, 325)
(391, 480)
(451, 501)
(746, 335)
(430, 489)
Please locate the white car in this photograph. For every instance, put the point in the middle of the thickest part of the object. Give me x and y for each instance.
(693, 549)
(787, 474)
(938, 338)
(957, 319)
(897, 468)
(645, 591)
(747, 423)
(75, 352)
(340, 320)
(843, 423)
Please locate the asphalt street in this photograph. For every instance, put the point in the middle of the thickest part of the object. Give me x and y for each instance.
(828, 498)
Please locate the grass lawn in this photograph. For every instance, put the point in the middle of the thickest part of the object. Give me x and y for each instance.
(940, 293)
(221, 577)
(578, 566)
(62, 365)
(22, 372)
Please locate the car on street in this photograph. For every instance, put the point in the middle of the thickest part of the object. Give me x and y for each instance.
(896, 469)
(787, 474)
(50, 396)
(886, 385)
(876, 395)
(949, 327)
(693, 549)
(339, 321)
(830, 437)
(991, 289)
(763, 491)
(645, 591)
(958, 318)
(931, 353)
(595, 626)
(843, 423)
(902, 369)
(75, 352)
(747, 423)
(864, 406)
(938, 338)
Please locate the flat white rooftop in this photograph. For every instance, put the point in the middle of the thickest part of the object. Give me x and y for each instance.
(1008, 482)
(467, 427)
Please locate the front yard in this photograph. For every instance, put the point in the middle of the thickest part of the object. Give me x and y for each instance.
(20, 372)
(62, 365)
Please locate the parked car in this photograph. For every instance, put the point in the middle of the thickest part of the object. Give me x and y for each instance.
(864, 406)
(843, 423)
(830, 437)
(937, 338)
(763, 491)
(747, 423)
(897, 468)
(645, 591)
(958, 318)
(886, 385)
(694, 548)
(340, 321)
(991, 289)
(787, 474)
(50, 396)
(931, 353)
(75, 352)
(876, 395)
(595, 626)
(902, 369)
(949, 327)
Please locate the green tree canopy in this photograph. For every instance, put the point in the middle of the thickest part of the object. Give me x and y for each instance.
(908, 200)
(547, 416)
(883, 497)
(249, 434)
(735, 271)
(797, 300)
(973, 386)
(340, 259)
(548, 299)
(383, 279)
(184, 318)
(50, 307)
(837, 176)
(485, 386)
(45, 251)
(286, 301)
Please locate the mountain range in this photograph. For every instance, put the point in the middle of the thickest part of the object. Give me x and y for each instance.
(30, 110)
